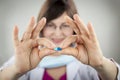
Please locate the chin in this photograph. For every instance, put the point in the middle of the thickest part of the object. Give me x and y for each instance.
(57, 44)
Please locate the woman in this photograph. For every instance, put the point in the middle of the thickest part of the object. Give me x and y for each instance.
(42, 58)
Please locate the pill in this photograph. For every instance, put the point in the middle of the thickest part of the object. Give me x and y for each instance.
(57, 49)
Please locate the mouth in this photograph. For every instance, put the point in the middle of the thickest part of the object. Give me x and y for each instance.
(57, 41)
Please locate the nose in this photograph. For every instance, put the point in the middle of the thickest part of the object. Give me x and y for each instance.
(58, 32)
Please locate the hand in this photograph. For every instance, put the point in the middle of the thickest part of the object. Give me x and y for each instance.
(87, 48)
(27, 54)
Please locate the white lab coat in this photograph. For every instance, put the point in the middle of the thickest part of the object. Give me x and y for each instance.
(75, 71)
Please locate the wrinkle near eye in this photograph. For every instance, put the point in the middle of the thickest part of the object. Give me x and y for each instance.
(51, 25)
(64, 26)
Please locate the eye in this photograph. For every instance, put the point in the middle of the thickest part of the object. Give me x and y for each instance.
(66, 26)
(49, 25)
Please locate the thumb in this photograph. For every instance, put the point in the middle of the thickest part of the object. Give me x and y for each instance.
(69, 51)
(68, 41)
(45, 42)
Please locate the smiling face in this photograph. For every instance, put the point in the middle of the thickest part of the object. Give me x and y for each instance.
(57, 30)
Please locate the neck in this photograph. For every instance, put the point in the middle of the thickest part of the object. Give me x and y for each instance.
(56, 73)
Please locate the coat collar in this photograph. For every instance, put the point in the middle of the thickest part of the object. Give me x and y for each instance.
(72, 68)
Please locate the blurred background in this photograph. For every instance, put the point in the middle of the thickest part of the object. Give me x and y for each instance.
(104, 15)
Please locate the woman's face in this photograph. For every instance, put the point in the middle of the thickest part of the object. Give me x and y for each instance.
(57, 30)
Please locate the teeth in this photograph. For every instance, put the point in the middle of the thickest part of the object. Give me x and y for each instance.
(57, 49)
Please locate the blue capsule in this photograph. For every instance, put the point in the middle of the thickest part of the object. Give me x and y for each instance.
(57, 49)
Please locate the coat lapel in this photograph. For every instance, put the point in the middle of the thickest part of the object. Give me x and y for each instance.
(37, 74)
(72, 69)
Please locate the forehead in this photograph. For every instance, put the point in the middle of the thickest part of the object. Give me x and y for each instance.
(60, 19)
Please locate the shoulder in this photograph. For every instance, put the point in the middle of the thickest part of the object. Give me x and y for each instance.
(82, 71)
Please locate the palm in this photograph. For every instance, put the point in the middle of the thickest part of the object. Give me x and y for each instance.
(89, 53)
(82, 55)
(87, 49)
(27, 54)
(23, 57)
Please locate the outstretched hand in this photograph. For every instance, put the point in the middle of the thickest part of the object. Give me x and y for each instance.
(27, 54)
(87, 48)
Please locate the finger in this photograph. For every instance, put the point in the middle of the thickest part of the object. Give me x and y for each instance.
(15, 36)
(29, 29)
(86, 40)
(83, 54)
(80, 25)
(69, 51)
(39, 27)
(91, 32)
(34, 43)
(45, 42)
(35, 55)
(72, 24)
(45, 52)
(68, 41)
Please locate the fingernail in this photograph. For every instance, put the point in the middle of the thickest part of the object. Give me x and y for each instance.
(75, 16)
(32, 19)
(44, 19)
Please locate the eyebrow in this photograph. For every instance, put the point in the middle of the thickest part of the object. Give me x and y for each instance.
(64, 23)
(51, 23)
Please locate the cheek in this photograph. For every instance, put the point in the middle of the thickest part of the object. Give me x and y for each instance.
(46, 33)
(68, 32)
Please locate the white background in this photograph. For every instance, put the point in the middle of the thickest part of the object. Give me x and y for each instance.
(104, 15)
